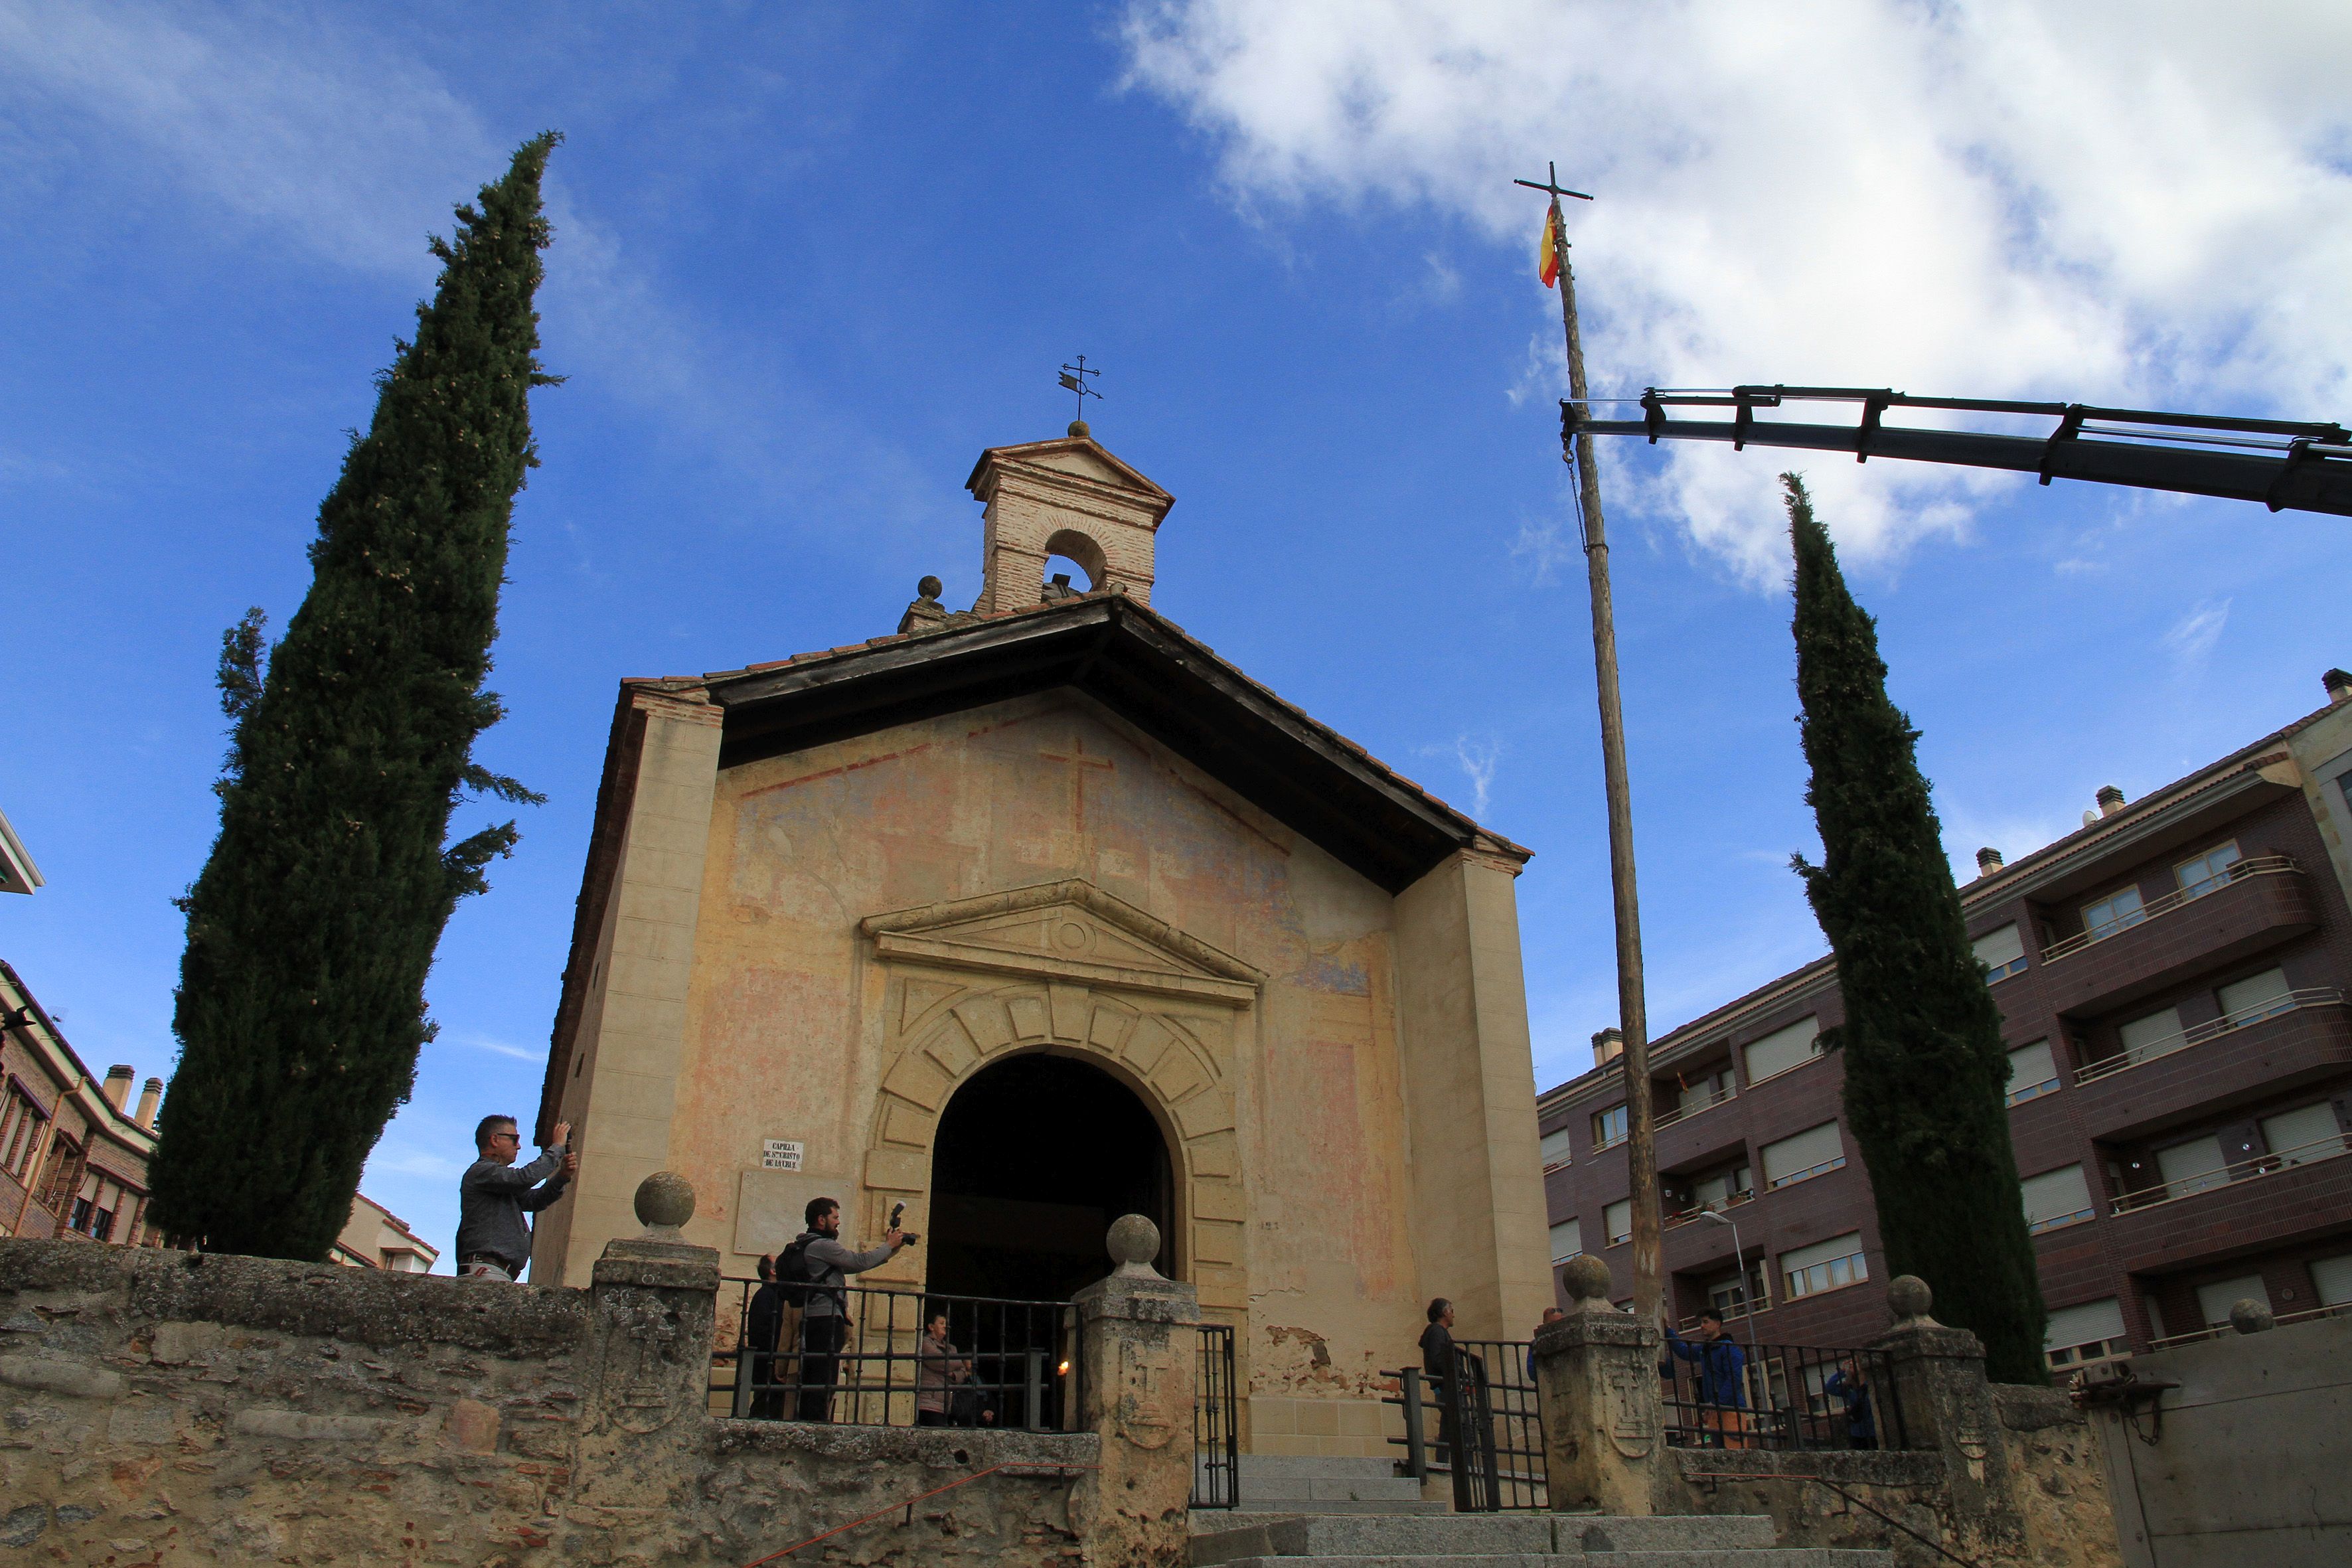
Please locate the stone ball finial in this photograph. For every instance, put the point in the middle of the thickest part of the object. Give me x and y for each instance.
(1908, 1298)
(1133, 1241)
(1078, 426)
(1586, 1278)
(929, 588)
(2248, 1315)
(665, 1201)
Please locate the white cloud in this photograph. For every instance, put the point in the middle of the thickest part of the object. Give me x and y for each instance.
(500, 1047)
(2143, 203)
(2193, 637)
(1479, 759)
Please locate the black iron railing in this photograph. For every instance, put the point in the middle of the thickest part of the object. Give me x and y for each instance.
(874, 1363)
(1216, 1436)
(1728, 1394)
(1482, 1428)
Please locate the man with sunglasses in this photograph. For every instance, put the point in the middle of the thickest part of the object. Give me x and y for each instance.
(493, 1236)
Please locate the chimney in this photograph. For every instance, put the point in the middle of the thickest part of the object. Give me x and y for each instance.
(1607, 1046)
(148, 1096)
(2339, 685)
(2111, 800)
(118, 1086)
(1988, 861)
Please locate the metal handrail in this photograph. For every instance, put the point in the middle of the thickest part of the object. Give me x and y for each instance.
(2216, 1330)
(2254, 866)
(1684, 1217)
(2212, 1029)
(2334, 1146)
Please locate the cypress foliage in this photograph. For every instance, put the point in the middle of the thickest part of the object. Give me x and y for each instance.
(1925, 1071)
(301, 1001)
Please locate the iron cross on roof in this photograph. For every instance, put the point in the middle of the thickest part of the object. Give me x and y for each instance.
(1074, 379)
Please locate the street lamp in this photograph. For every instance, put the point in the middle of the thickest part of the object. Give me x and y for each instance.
(1746, 1298)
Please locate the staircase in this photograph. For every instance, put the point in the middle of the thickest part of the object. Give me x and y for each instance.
(1358, 1513)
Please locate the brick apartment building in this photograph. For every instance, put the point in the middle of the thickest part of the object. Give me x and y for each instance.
(2172, 980)
(73, 1151)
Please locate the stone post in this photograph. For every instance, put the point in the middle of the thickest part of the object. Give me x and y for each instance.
(655, 1301)
(1137, 1352)
(1947, 1407)
(1604, 1426)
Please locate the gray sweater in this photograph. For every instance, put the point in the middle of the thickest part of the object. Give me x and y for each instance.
(829, 1265)
(492, 1198)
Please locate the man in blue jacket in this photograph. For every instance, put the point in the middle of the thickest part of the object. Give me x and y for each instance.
(1720, 1369)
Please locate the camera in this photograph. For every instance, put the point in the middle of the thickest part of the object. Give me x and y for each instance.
(895, 1211)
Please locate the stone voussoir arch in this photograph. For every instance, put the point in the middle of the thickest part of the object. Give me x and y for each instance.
(1068, 969)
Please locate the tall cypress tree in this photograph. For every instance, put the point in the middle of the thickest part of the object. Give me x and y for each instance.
(311, 928)
(1926, 1072)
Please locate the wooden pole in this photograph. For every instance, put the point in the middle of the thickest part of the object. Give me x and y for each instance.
(1633, 1013)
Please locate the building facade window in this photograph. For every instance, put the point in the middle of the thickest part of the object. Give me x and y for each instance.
(1783, 1049)
(2001, 952)
(2077, 1336)
(2256, 998)
(1608, 1127)
(1555, 1149)
(2214, 1300)
(2032, 1072)
(20, 1132)
(2192, 1166)
(2055, 1198)
(2306, 1133)
(1567, 1240)
(2202, 874)
(2117, 910)
(1617, 1219)
(2151, 1034)
(1816, 1152)
(1825, 1266)
(2331, 1280)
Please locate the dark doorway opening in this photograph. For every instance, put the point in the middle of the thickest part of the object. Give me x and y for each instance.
(1034, 1157)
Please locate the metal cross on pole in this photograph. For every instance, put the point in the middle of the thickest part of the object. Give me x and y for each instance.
(1633, 1014)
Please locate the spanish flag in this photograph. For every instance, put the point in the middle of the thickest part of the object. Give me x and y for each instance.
(1547, 252)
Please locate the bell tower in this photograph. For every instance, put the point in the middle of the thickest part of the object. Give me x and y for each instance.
(1068, 497)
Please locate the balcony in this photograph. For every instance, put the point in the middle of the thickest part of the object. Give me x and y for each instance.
(2278, 1045)
(2276, 1199)
(2259, 903)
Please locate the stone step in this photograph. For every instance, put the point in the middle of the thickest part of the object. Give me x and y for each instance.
(1587, 1537)
(1210, 1520)
(1730, 1557)
(1321, 1465)
(1256, 1489)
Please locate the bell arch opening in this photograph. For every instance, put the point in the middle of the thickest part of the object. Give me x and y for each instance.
(1080, 550)
(1035, 1156)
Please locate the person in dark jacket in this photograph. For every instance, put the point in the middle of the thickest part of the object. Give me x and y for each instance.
(1439, 1365)
(763, 1326)
(827, 1264)
(493, 1196)
(1847, 1387)
(1720, 1369)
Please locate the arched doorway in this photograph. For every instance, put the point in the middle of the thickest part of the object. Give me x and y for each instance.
(1033, 1158)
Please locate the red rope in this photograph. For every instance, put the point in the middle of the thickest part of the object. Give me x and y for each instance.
(921, 1496)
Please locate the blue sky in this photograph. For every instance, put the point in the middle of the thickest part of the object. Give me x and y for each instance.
(808, 263)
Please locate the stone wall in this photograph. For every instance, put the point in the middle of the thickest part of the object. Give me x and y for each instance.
(165, 1408)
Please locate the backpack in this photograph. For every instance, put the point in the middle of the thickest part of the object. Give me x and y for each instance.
(796, 1274)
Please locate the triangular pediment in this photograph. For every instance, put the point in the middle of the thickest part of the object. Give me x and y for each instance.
(1080, 457)
(1072, 930)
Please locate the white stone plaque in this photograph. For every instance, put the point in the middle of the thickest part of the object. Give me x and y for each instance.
(782, 1154)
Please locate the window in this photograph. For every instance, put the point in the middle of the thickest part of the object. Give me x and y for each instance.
(1812, 1152)
(1730, 1293)
(20, 1133)
(2207, 872)
(1708, 1088)
(1781, 1049)
(2256, 998)
(2215, 1300)
(2031, 1072)
(2001, 952)
(1555, 1149)
(2332, 1278)
(1617, 1219)
(2077, 1336)
(1567, 1240)
(1825, 1266)
(2055, 1197)
(1608, 1127)
(1723, 1189)
(2152, 1035)
(2307, 1133)
(2113, 913)
(2192, 1167)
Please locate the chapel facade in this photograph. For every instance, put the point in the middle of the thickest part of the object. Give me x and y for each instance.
(1037, 913)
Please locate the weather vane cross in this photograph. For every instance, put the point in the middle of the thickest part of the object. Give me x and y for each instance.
(1552, 185)
(1074, 379)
